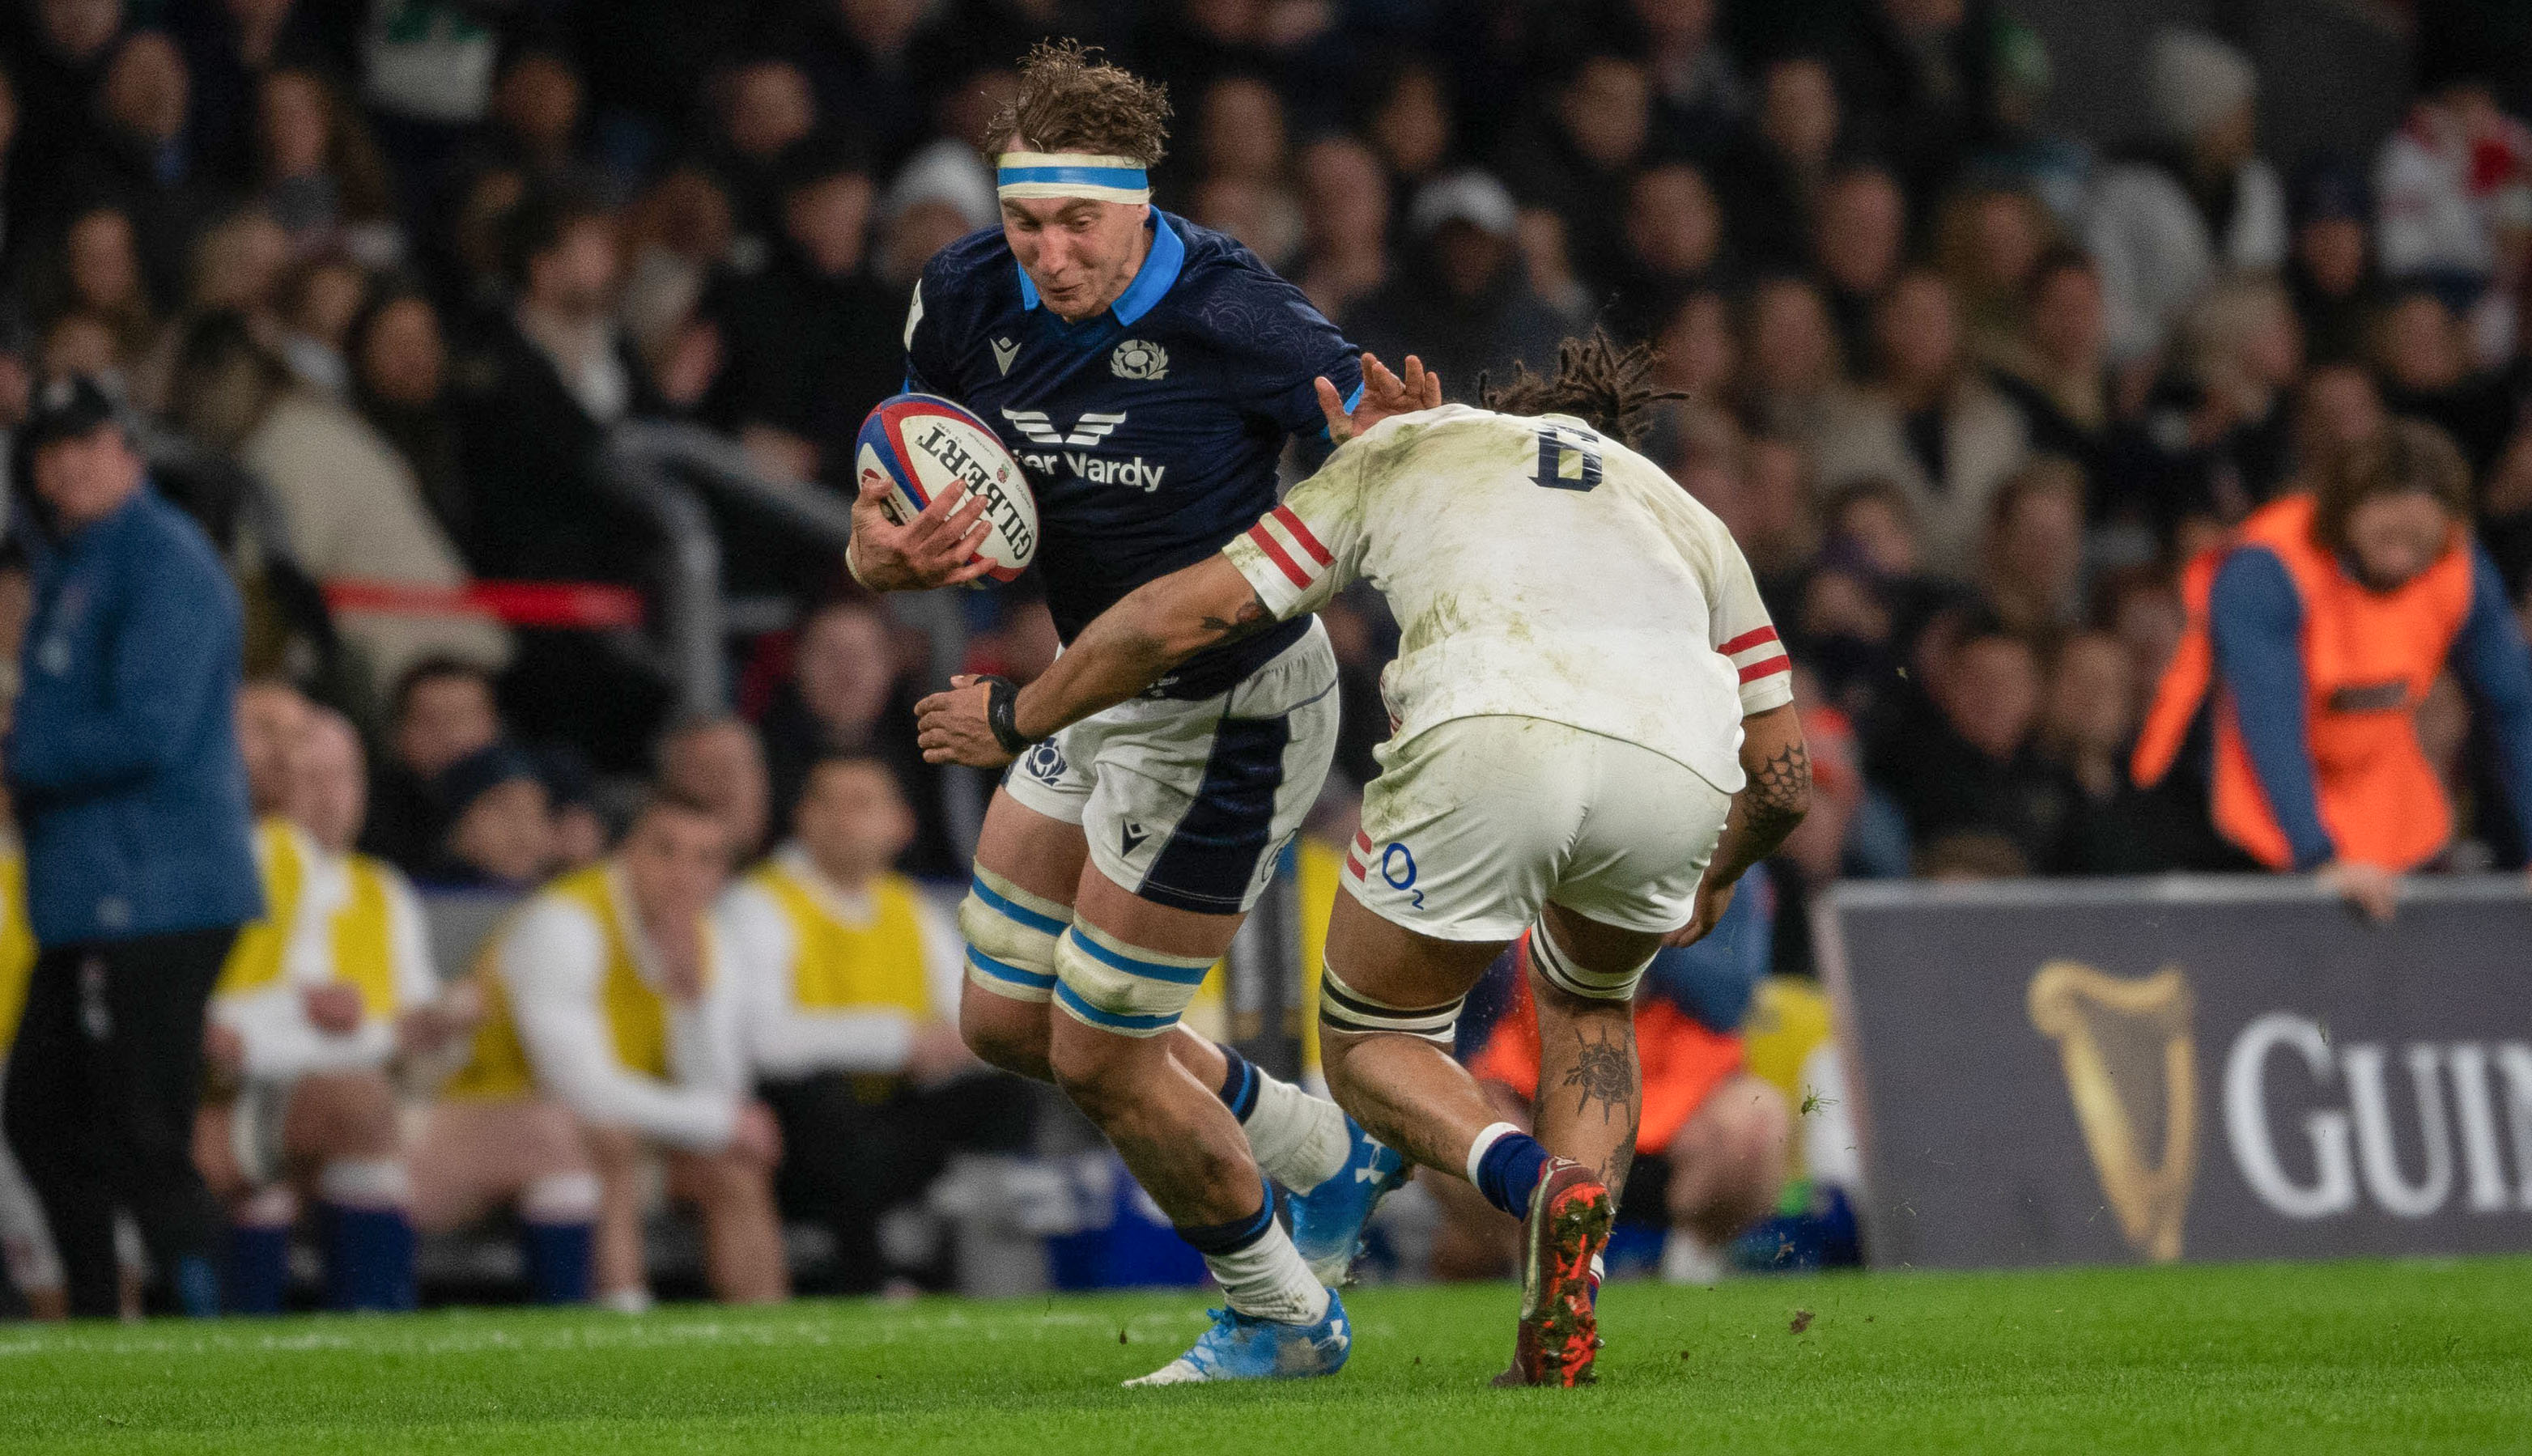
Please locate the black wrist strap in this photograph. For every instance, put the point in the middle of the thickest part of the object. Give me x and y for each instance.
(1002, 715)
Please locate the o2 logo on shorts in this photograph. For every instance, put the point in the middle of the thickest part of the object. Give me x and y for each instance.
(1398, 869)
(1044, 763)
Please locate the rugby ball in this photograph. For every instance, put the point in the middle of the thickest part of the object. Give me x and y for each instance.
(921, 445)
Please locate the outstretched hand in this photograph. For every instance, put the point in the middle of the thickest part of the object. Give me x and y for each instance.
(936, 548)
(1384, 394)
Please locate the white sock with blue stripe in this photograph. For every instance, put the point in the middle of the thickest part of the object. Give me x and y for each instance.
(1299, 1139)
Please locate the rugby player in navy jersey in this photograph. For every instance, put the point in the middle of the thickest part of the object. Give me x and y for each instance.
(1147, 374)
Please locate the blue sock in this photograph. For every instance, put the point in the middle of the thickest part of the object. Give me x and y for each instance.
(198, 1287)
(1238, 1089)
(1509, 1172)
(258, 1268)
(557, 1262)
(368, 1259)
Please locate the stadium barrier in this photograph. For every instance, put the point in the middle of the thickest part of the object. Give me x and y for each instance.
(2198, 1066)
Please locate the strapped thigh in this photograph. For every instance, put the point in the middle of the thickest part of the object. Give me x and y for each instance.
(1124, 988)
(1560, 971)
(1010, 937)
(1342, 1008)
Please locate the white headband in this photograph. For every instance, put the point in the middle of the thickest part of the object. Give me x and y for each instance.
(1071, 174)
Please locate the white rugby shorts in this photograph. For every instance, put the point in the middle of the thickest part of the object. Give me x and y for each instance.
(1475, 823)
(1187, 803)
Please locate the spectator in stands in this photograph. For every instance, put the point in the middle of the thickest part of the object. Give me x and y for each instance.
(2032, 559)
(2455, 190)
(2325, 624)
(1574, 159)
(2422, 355)
(1674, 245)
(1408, 121)
(319, 1001)
(2215, 435)
(2333, 272)
(2335, 405)
(845, 697)
(2088, 724)
(678, 236)
(611, 996)
(1794, 365)
(351, 508)
(765, 107)
(718, 763)
(535, 396)
(147, 158)
(2056, 368)
(440, 712)
(1771, 184)
(1242, 147)
(851, 984)
(537, 110)
(1989, 240)
(1928, 422)
(319, 171)
(399, 368)
(316, 302)
(1345, 224)
(1698, 94)
(67, 49)
(99, 277)
(1700, 353)
(1974, 766)
(812, 342)
(1460, 303)
(498, 822)
(2195, 198)
(123, 763)
(1859, 242)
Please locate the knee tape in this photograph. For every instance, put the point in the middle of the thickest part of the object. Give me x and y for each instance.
(1121, 987)
(560, 1198)
(1010, 937)
(1342, 1008)
(364, 1183)
(1564, 972)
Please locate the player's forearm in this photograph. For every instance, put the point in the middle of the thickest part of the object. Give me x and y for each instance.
(1775, 797)
(1134, 644)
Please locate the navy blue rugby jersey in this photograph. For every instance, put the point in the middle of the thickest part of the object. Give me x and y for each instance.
(1149, 433)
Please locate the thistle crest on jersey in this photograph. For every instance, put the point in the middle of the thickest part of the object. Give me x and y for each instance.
(919, 445)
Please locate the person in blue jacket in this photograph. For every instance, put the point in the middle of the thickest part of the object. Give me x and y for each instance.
(123, 761)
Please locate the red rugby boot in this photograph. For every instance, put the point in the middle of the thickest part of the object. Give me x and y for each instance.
(1566, 1229)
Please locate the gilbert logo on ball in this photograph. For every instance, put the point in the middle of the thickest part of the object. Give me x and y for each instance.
(920, 445)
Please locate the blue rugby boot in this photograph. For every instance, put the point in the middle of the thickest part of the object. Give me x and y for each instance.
(1242, 1347)
(1328, 1220)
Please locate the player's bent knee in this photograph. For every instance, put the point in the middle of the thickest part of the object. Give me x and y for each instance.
(1559, 971)
(1012, 937)
(1345, 1010)
(1106, 984)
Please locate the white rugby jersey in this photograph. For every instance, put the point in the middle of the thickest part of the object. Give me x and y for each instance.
(1538, 569)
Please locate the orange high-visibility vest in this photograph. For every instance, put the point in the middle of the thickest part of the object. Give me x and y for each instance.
(2368, 659)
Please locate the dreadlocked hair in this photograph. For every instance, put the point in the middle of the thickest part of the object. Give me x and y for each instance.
(1070, 101)
(1598, 381)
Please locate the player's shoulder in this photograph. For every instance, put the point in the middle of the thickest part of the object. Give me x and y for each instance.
(1224, 290)
(963, 275)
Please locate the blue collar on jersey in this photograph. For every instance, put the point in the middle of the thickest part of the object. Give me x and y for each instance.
(1160, 269)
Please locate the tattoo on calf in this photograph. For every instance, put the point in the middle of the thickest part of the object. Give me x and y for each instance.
(1604, 1071)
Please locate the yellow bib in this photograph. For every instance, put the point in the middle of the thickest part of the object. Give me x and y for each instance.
(17, 945)
(365, 937)
(254, 961)
(637, 1016)
(836, 966)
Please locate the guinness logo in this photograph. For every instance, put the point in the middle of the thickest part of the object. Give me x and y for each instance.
(2130, 1064)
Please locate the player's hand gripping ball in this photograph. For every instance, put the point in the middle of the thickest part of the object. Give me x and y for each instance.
(917, 450)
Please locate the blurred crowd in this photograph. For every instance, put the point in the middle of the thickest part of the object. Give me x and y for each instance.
(382, 278)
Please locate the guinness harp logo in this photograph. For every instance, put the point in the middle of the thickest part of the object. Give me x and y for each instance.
(2130, 1064)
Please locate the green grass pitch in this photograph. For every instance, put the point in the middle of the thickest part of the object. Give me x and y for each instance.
(2374, 1357)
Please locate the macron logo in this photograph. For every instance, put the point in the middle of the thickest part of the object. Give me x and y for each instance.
(1005, 351)
(1090, 429)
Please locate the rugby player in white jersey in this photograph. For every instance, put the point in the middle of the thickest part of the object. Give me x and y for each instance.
(1595, 738)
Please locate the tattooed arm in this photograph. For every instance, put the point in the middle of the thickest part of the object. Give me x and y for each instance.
(1126, 649)
(1774, 799)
